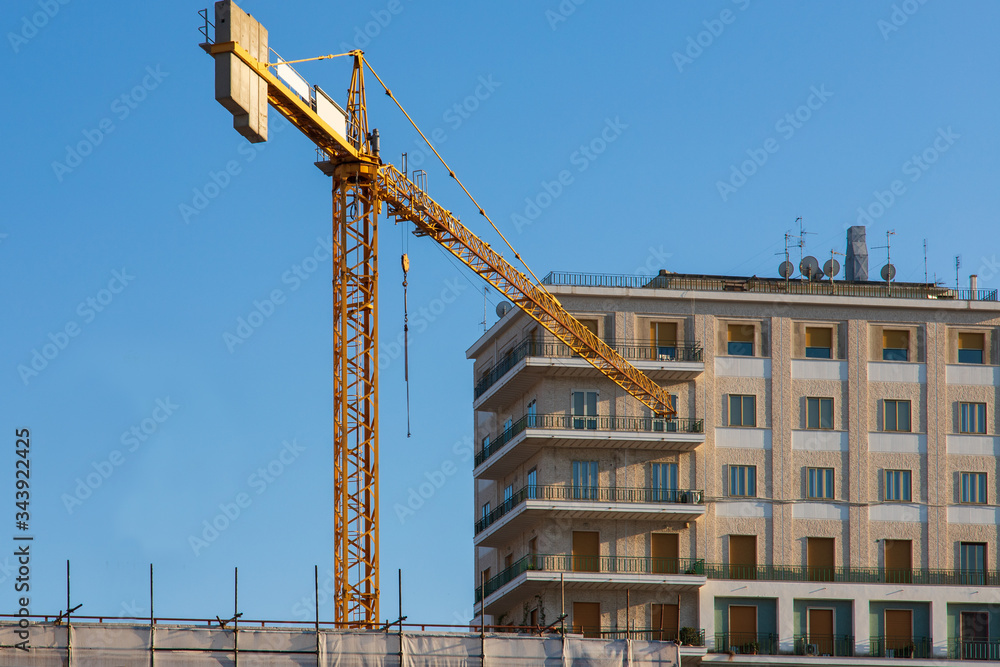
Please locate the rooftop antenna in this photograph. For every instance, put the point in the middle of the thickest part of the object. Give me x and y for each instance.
(485, 309)
(925, 261)
(785, 269)
(800, 240)
(832, 267)
(888, 271)
(958, 264)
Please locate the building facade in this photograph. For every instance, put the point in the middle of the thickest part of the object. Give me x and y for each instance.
(828, 486)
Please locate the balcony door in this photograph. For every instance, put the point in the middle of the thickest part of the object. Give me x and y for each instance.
(587, 618)
(666, 622)
(664, 337)
(665, 549)
(898, 561)
(821, 630)
(975, 635)
(586, 550)
(585, 480)
(742, 627)
(584, 406)
(820, 558)
(664, 482)
(743, 556)
(898, 633)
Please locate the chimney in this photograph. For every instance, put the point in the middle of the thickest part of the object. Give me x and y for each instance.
(857, 254)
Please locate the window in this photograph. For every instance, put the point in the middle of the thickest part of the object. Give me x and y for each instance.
(742, 410)
(973, 417)
(972, 557)
(486, 442)
(507, 424)
(486, 510)
(974, 487)
(664, 482)
(585, 480)
(508, 494)
(589, 324)
(819, 342)
(532, 483)
(819, 413)
(532, 413)
(585, 405)
(895, 345)
(820, 482)
(897, 415)
(743, 481)
(664, 338)
(485, 576)
(970, 348)
(740, 339)
(897, 485)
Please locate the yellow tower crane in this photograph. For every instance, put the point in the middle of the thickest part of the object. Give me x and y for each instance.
(246, 82)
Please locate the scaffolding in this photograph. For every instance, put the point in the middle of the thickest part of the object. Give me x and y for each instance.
(235, 643)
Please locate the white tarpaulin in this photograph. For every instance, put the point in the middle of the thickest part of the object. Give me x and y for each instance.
(122, 645)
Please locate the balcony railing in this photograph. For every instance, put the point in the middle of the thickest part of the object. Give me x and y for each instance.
(858, 575)
(974, 649)
(686, 636)
(900, 647)
(602, 564)
(834, 645)
(595, 493)
(746, 643)
(633, 351)
(770, 286)
(568, 422)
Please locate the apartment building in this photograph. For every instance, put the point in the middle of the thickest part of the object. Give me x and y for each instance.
(829, 486)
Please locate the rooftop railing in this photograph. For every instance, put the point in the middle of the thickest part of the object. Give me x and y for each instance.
(858, 575)
(567, 422)
(633, 351)
(602, 564)
(595, 493)
(770, 286)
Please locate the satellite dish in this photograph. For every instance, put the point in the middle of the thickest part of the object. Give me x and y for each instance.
(819, 275)
(888, 272)
(809, 267)
(785, 269)
(503, 308)
(831, 267)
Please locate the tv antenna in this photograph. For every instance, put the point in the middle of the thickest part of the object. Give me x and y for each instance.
(888, 271)
(800, 240)
(958, 264)
(832, 267)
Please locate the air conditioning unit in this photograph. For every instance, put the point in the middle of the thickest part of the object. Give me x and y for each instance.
(812, 649)
(665, 357)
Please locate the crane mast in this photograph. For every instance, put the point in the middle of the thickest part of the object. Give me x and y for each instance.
(361, 183)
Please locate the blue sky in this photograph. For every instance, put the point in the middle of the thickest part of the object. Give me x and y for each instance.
(605, 137)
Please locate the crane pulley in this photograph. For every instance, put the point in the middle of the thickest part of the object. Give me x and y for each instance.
(361, 184)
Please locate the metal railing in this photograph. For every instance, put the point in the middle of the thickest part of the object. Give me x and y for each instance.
(974, 649)
(204, 29)
(595, 493)
(746, 643)
(858, 575)
(769, 286)
(686, 636)
(602, 564)
(900, 647)
(633, 351)
(567, 422)
(833, 645)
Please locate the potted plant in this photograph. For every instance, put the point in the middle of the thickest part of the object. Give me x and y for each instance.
(690, 636)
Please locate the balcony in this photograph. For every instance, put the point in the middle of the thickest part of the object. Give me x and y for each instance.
(855, 575)
(525, 437)
(533, 504)
(535, 572)
(974, 649)
(528, 361)
(746, 643)
(841, 646)
(900, 647)
(686, 637)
